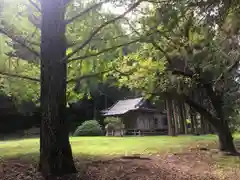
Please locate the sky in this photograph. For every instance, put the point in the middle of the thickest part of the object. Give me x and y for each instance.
(110, 7)
(121, 9)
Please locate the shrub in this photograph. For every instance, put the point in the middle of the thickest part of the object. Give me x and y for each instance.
(113, 122)
(89, 128)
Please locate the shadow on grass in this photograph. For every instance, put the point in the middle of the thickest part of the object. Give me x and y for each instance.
(94, 167)
(24, 166)
(108, 167)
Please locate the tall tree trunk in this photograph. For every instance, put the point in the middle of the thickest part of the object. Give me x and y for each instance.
(203, 125)
(175, 118)
(187, 117)
(171, 130)
(55, 151)
(192, 114)
(182, 118)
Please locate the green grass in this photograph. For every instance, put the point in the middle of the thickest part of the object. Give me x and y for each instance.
(106, 146)
(93, 148)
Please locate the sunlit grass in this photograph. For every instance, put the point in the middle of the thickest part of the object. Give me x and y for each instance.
(93, 147)
(100, 146)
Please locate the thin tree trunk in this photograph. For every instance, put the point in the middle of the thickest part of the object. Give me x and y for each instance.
(192, 120)
(203, 126)
(208, 126)
(182, 118)
(175, 118)
(185, 115)
(171, 131)
(55, 151)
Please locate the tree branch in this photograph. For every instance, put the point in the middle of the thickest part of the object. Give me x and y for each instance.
(36, 21)
(161, 49)
(16, 39)
(71, 44)
(130, 72)
(35, 5)
(199, 108)
(180, 72)
(229, 69)
(133, 29)
(19, 76)
(102, 51)
(86, 76)
(85, 11)
(100, 28)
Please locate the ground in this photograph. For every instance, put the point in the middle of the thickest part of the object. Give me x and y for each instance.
(128, 158)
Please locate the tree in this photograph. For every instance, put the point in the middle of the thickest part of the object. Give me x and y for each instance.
(55, 151)
(191, 60)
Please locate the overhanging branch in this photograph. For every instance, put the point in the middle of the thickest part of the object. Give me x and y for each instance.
(229, 69)
(78, 79)
(180, 72)
(129, 73)
(161, 50)
(85, 11)
(133, 29)
(35, 5)
(103, 39)
(100, 28)
(199, 108)
(102, 51)
(16, 39)
(19, 76)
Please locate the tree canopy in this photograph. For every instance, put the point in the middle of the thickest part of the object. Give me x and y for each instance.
(187, 53)
(20, 21)
(54, 52)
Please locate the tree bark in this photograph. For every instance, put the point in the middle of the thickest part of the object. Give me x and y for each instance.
(192, 114)
(182, 118)
(55, 151)
(221, 126)
(175, 118)
(171, 129)
(203, 125)
(226, 139)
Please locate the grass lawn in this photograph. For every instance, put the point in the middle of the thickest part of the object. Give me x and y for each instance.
(90, 153)
(100, 146)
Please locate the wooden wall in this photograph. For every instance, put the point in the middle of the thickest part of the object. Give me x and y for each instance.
(144, 121)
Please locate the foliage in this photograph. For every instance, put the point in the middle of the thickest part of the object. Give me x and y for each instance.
(77, 32)
(16, 18)
(136, 66)
(89, 128)
(182, 52)
(191, 57)
(235, 123)
(113, 122)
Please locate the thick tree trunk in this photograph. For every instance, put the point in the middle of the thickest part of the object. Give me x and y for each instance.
(225, 137)
(55, 151)
(226, 141)
(220, 126)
